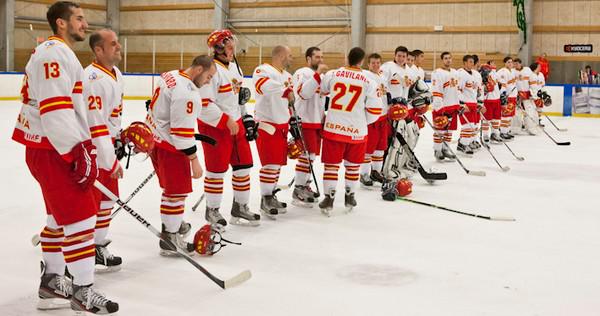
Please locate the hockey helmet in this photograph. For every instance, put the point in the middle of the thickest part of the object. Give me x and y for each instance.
(440, 122)
(404, 187)
(218, 37)
(140, 136)
(208, 241)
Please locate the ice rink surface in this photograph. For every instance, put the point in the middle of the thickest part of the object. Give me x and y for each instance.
(385, 258)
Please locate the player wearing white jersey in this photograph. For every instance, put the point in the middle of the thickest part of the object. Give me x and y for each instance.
(446, 106)
(103, 91)
(224, 118)
(309, 103)
(394, 72)
(172, 115)
(60, 155)
(354, 104)
(493, 108)
(538, 81)
(469, 89)
(274, 92)
(508, 97)
(524, 81)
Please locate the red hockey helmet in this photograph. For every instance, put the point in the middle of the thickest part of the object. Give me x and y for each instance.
(217, 37)
(398, 112)
(440, 122)
(140, 135)
(208, 241)
(404, 187)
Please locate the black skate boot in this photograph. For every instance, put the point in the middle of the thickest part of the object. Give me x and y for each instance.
(495, 139)
(302, 197)
(241, 215)
(213, 216)
(86, 299)
(448, 154)
(376, 177)
(349, 201)
(309, 188)
(281, 206)
(465, 149)
(55, 291)
(439, 155)
(106, 261)
(365, 181)
(486, 138)
(327, 204)
(268, 206)
(506, 136)
(175, 239)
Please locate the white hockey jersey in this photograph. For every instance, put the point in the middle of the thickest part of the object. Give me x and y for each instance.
(411, 75)
(354, 104)
(493, 81)
(309, 103)
(220, 97)
(394, 73)
(538, 82)
(53, 114)
(173, 111)
(381, 83)
(467, 86)
(270, 83)
(507, 80)
(444, 88)
(103, 92)
(420, 73)
(525, 79)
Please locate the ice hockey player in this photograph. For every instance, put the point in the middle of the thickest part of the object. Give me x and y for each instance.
(419, 57)
(354, 105)
(493, 109)
(537, 85)
(224, 118)
(309, 103)
(103, 91)
(60, 155)
(274, 92)
(172, 117)
(446, 106)
(528, 115)
(469, 93)
(508, 97)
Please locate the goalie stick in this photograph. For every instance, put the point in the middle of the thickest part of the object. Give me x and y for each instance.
(426, 175)
(543, 130)
(224, 284)
(490, 218)
(551, 122)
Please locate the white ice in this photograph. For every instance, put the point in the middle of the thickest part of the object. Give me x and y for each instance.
(385, 258)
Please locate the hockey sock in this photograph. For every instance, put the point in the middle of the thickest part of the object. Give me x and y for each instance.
(330, 177)
(79, 250)
(351, 175)
(496, 126)
(505, 124)
(269, 174)
(466, 132)
(213, 188)
(485, 129)
(438, 137)
(302, 170)
(171, 211)
(365, 167)
(51, 239)
(241, 185)
(103, 220)
(448, 137)
(377, 160)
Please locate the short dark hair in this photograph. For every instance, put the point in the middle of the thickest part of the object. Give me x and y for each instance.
(517, 60)
(374, 56)
(401, 49)
(444, 54)
(203, 61)
(417, 52)
(506, 59)
(310, 51)
(96, 40)
(475, 58)
(588, 67)
(534, 66)
(355, 56)
(467, 57)
(59, 10)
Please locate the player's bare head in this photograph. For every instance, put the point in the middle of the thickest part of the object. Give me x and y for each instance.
(475, 59)
(106, 47)
(282, 56)
(410, 59)
(535, 67)
(67, 21)
(419, 56)
(202, 70)
(468, 62)
(508, 62)
(374, 61)
(400, 55)
(356, 56)
(446, 58)
(314, 57)
(517, 63)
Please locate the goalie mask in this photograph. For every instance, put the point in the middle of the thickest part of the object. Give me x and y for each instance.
(222, 42)
(418, 88)
(208, 241)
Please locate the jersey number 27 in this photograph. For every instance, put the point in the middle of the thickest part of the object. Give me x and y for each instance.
(340, 90)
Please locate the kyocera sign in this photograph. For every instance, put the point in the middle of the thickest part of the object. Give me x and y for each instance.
(587, 48)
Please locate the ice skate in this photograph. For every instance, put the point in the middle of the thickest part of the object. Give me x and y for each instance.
(86, 300)
(106, 261)
(366, 182)
(55, 292)
(302, 197)
(448, 154)
(176, 239)
(268, 206)
(241, 215)
(465, 149)
(327, 204)
(349, 201)
(496, 139)
(309, 189)
(439, 155)
(506, 136)
(214, 217)
(376, 177)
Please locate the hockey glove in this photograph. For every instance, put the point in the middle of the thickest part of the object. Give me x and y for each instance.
(148, 105)
(244, 96)
(503, 99)
(398, 112)
(85, 170)
(295, 126)
(119, 149)
(251, 127)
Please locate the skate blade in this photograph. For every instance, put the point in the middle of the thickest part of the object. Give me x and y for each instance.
(53, 303)
(303, 204)
(326, 212)
(268, 215)
(244, 222)
(106, 269)
(173, 254)
(282, 210)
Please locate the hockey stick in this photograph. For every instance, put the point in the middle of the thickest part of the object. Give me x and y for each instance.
(426, 175)
(224, 284)
(485, 145)
(470, 172)
(281, 187)
(520, 158)
(301, 132)
(543, 130)
(551, 122)
(35, 240)
(198, 202)
(490, 218)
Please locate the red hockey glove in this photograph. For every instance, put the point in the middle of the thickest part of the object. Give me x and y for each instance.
(85, 170)
(398, 112)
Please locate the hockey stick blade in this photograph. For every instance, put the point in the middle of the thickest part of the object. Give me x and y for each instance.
(432, 175)
(238, 279)
(476, 173)
(281, 187)
(502, 218)
(554, 140)
(35, 240)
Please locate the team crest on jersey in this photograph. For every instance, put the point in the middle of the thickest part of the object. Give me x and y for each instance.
(49, 44)
(93, 76)
(190, 87)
